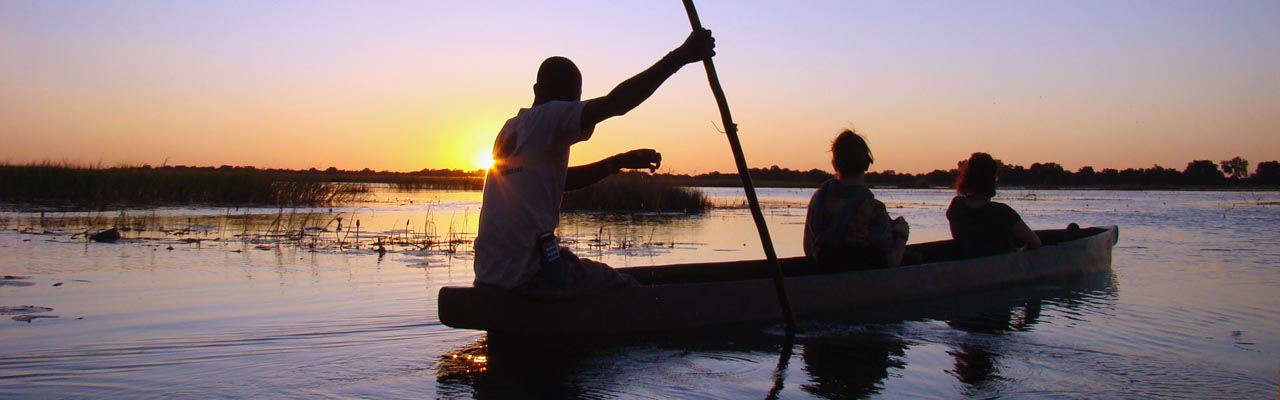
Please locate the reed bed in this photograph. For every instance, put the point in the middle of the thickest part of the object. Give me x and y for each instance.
(636, 192)
(100, 188)
(412, 183)
(243, 230)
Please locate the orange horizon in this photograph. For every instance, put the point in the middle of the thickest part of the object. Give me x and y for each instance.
(300, 85)
(479, 171)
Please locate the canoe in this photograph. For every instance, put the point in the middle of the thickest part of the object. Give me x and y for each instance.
(687, 297)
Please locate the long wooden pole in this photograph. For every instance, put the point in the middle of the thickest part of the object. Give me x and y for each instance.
(731, 130)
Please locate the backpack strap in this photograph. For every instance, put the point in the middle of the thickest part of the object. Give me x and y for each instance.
(831, 234)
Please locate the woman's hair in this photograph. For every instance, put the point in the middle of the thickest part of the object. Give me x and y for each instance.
(850, 154)
(977, 176)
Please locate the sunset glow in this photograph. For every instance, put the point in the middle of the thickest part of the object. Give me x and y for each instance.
(412, 85)
(484, 160)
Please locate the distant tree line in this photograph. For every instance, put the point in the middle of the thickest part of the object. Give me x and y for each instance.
(34, 182)
(66, 186)
(1233, 172)
(98, 187)
(425, 178)
(444, 172)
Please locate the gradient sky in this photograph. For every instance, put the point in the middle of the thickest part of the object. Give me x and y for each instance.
(415, 84)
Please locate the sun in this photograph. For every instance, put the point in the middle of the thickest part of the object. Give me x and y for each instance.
(484, 160)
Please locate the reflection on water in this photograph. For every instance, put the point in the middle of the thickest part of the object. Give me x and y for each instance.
(851, 367)
(318, 229)
(841, 356)
(252, 303)
(395, 221)
(852, 359)
(519, 370)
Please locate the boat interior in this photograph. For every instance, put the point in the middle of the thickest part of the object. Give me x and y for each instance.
(928, 252)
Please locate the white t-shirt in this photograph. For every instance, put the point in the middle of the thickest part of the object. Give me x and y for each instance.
(523, 190)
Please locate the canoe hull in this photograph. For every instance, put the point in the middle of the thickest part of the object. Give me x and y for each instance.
(707, 304)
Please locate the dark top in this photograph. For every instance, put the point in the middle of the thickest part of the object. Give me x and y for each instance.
(856, 236)
(983, 231)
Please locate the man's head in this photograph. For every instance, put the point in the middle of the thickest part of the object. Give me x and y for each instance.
(558, 79)
(850, 154)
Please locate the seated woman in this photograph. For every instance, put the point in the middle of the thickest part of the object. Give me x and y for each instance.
(846, 227)
(982, 227)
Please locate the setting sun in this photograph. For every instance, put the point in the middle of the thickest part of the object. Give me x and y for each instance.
(484, 160)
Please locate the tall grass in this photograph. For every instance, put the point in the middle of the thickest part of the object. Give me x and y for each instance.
(411, 183)
(636, 192)
(95, 187)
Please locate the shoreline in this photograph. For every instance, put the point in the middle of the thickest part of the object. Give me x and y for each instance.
(64, 205)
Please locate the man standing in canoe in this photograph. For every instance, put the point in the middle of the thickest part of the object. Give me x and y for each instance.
(515, 246)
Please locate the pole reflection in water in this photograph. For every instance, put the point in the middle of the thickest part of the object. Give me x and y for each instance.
(784, 362)
(848, 355)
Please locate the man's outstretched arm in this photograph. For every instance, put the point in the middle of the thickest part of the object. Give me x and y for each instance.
(635, 90)
(584, 175)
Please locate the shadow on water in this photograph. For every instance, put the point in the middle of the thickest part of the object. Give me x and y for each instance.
(845, 355)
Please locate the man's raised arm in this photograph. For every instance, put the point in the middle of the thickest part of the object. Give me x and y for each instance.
(584, 175)
(635, 90)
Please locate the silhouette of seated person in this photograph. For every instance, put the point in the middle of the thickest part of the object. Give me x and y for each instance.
(982, 227)
(846, 227)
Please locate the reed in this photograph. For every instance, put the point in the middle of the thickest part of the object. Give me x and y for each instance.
(99, 188)
(636, 192)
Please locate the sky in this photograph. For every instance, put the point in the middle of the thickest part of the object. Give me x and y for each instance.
(407, 85)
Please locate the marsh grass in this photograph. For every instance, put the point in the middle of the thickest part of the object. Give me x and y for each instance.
(414, 183)
(249, 228)
(636, 192)
(101, 188)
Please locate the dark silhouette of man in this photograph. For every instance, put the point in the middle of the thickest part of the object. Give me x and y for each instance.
(515, 246)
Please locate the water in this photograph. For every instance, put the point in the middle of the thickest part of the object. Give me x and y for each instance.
(252, 303)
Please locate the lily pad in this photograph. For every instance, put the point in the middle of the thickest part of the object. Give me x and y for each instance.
(10, 310)
(29, 318)
(10, 280)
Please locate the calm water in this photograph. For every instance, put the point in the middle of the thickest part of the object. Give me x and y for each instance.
(253, 303)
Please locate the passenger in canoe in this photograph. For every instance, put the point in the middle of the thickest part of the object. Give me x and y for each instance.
(846, 227)
(515, 245)
(982, 227)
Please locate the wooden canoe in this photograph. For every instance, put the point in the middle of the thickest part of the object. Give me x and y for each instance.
(708, 295)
